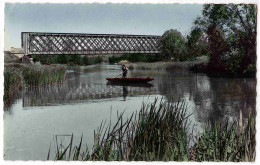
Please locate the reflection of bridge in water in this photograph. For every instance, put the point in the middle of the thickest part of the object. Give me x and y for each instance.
(62, 94)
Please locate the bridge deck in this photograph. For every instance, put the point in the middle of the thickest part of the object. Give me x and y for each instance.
(80, 43)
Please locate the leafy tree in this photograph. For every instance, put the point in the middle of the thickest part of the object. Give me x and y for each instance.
(173, 45)
(237, 23)
(197, 43)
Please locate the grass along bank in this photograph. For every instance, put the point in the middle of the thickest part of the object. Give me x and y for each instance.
(159, 133)
(136, 57)
(19, 75)
(224, 143)
(13, 82)
(169, 65)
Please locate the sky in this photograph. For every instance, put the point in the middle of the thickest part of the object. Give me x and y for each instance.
(139, 19)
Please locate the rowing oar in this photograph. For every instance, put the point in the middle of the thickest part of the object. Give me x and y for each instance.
(119, 75)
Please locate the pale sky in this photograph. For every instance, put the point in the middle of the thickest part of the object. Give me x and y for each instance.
(143, 19)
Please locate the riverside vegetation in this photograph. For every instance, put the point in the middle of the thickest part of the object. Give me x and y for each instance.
(17, 76)
(67, 59)
(231, 31)
(159, 133)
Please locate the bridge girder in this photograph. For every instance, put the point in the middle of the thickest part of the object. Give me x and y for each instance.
(80, 43)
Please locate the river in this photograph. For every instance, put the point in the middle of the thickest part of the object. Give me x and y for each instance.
(84, 100)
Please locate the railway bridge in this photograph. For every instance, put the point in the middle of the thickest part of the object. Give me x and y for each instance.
(88, 44)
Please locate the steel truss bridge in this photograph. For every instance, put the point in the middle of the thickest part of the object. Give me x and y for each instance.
(84, 44)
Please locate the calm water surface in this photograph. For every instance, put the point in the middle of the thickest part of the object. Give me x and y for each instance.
(85, 99)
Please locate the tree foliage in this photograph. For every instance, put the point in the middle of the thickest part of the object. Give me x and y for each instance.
(173, 45)
(197, 43)
(237, 25)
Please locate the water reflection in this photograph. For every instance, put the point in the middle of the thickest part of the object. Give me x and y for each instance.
(139, 86)
(222, 99)
(82, 86)
(215, 99)
(125, 92)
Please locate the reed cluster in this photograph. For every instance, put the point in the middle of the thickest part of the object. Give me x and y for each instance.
(159, 133)
(222, 143)
(18, 75)
(12, 84)
(43, 75)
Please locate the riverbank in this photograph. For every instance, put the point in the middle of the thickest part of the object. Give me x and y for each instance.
(169, 65)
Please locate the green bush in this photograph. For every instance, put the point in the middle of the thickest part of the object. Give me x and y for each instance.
(232, 60)
(173, 45)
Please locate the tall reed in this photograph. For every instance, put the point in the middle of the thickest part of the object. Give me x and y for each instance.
(12, 84)
(157, 132)
(18, 75)
(43, 75)
(222, 143)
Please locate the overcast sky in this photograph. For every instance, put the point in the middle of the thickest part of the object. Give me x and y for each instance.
(145, 19)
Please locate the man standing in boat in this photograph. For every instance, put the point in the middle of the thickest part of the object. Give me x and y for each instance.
(124, 71)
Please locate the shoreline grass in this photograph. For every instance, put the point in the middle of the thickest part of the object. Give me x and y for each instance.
(168, 65)
(17, 76)
(43, 75)
(136, 57)
(13, 82)
(159, 133)
(224, 143)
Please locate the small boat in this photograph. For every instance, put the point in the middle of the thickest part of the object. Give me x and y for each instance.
(126, 84)
(130, 80)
